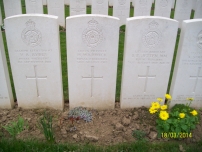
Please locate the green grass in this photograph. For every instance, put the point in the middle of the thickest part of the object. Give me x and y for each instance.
(64, 55)
(7, 145)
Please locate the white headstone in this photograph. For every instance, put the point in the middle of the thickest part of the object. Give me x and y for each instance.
(34, 6)
(89, 2)
(142, 7)
(66, 2)
(194, 4)
(12, 7)
(77, 7)
(110, 2)
(198, 11)
(187, 76)
(121, 9)
(173, 4)
(100, 7)
(34, 50)
(182, 10)
(57, 8)
(163, 8)
(149, 48)
(92, 52)
(6, 95)
(44, 2)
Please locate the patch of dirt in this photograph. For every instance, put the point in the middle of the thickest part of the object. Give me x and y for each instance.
(108, 126)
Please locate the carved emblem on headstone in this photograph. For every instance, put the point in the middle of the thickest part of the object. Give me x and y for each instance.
(152, 36)
(100, 1)
(122, 2)
(143, 2)
(30, 35)
(199, 40)
(164, 3)
(92, 36)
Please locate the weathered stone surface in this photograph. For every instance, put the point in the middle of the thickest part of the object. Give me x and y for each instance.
(198, 10)
(34, 6)
(182, 10)
(187, 76)
(77, 7)
(12, 7)
(92, 51)
(148, 54)
(163, 8)
(6, 95)
(142, 8)
(121, 9)
(99, 7)
(56, 7)
(34, 51)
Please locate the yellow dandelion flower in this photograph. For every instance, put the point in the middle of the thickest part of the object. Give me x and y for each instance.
(159, 99)
(182, 115)
(155, 105)
(168, 96)
(164, 115)
(190, 99)
(164, 107)
(152, 110)
(194, 113)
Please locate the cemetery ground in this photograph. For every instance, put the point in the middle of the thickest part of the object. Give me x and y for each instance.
(108, 128)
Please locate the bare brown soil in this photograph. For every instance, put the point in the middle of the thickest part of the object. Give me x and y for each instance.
(108, 126)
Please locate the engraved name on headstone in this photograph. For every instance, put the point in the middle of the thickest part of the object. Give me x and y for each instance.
(34, 50)
(92, 51)
(149, 48)
(77, 7)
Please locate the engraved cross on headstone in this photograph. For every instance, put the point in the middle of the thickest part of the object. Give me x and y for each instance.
(197, 78)
(92, 77)
(146, 77)
(36, 77)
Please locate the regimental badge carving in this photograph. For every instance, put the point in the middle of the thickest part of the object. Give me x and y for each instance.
(30, 35)
(122, 2)
(92, 36)
(163, 3)
(143, 2)
(100, 1)
(152, 36)
(199, 40)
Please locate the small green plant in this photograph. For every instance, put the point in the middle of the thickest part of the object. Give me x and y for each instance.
(45, 124)
(178, 122)
(139, 135)
(16, 127)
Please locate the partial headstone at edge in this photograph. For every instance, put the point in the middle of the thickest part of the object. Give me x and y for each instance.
(187, 75)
